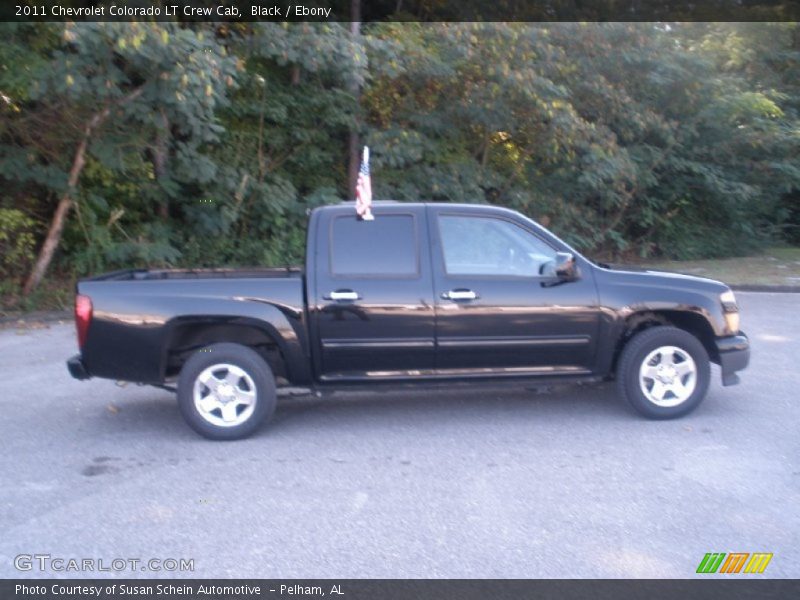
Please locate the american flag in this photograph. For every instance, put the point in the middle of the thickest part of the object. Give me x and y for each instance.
(364, 189)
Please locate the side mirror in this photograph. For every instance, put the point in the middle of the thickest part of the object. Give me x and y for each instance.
(565, 267)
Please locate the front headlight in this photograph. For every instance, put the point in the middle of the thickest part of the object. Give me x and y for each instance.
(731, 311)
(728, 299)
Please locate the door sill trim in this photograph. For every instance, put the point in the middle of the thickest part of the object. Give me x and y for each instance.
(457, 374)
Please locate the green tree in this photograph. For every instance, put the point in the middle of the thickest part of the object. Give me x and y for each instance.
(110, 89)
(284, 149)
(205, 144)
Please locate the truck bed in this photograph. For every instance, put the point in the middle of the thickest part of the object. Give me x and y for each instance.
(143, 317)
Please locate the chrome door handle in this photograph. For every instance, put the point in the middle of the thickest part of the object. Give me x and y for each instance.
(460, 295)
(344, 295)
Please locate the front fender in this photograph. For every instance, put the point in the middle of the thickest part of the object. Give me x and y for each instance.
(624, 295)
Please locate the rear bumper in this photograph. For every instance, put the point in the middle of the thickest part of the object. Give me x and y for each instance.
(734, 355)
(76, 368)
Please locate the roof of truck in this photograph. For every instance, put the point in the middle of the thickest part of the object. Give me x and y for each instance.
(422, 203)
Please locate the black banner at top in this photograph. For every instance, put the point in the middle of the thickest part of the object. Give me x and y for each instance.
(400, 10)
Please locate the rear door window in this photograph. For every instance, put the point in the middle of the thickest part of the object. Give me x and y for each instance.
(386, 247)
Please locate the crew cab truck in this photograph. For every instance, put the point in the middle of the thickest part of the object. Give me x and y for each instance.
(425, 293)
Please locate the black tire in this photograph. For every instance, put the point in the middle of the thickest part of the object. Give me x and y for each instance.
(637, 350)
(253, 366)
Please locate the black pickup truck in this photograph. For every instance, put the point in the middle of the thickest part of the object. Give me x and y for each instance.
(425, 293)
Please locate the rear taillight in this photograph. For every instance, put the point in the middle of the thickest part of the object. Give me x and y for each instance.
(83, 316)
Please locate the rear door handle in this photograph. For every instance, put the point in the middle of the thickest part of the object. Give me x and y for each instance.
(343, 295)
(459, 295)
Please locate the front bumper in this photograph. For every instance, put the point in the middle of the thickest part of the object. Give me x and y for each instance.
(734, 355)
(76, 368)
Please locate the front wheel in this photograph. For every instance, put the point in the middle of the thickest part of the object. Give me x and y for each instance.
(225, 391)
(664, 372)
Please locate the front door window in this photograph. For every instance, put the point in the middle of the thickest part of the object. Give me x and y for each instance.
(491, 246)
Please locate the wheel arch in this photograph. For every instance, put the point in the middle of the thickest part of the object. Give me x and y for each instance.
(187, 335)
(691, 322)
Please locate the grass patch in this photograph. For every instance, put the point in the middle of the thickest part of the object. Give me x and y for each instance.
(776, 266)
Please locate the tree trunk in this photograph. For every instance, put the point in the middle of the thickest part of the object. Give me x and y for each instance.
(354, 163)
(50, 244)
(53, 237)
(353, 142)
(160, 155)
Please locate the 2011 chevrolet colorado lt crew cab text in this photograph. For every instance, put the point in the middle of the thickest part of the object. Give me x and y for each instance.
(424, 293)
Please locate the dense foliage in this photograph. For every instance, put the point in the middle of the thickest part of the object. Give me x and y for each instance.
(167, 144)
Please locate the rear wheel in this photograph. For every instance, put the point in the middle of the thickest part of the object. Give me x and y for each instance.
(226, 391)
(664, 372)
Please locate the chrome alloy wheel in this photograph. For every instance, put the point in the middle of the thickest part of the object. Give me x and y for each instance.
(668, 376)
(224, 395)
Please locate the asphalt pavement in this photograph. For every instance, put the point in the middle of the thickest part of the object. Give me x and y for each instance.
(570, 483)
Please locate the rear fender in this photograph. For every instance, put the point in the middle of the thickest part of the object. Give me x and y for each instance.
(288, 333)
